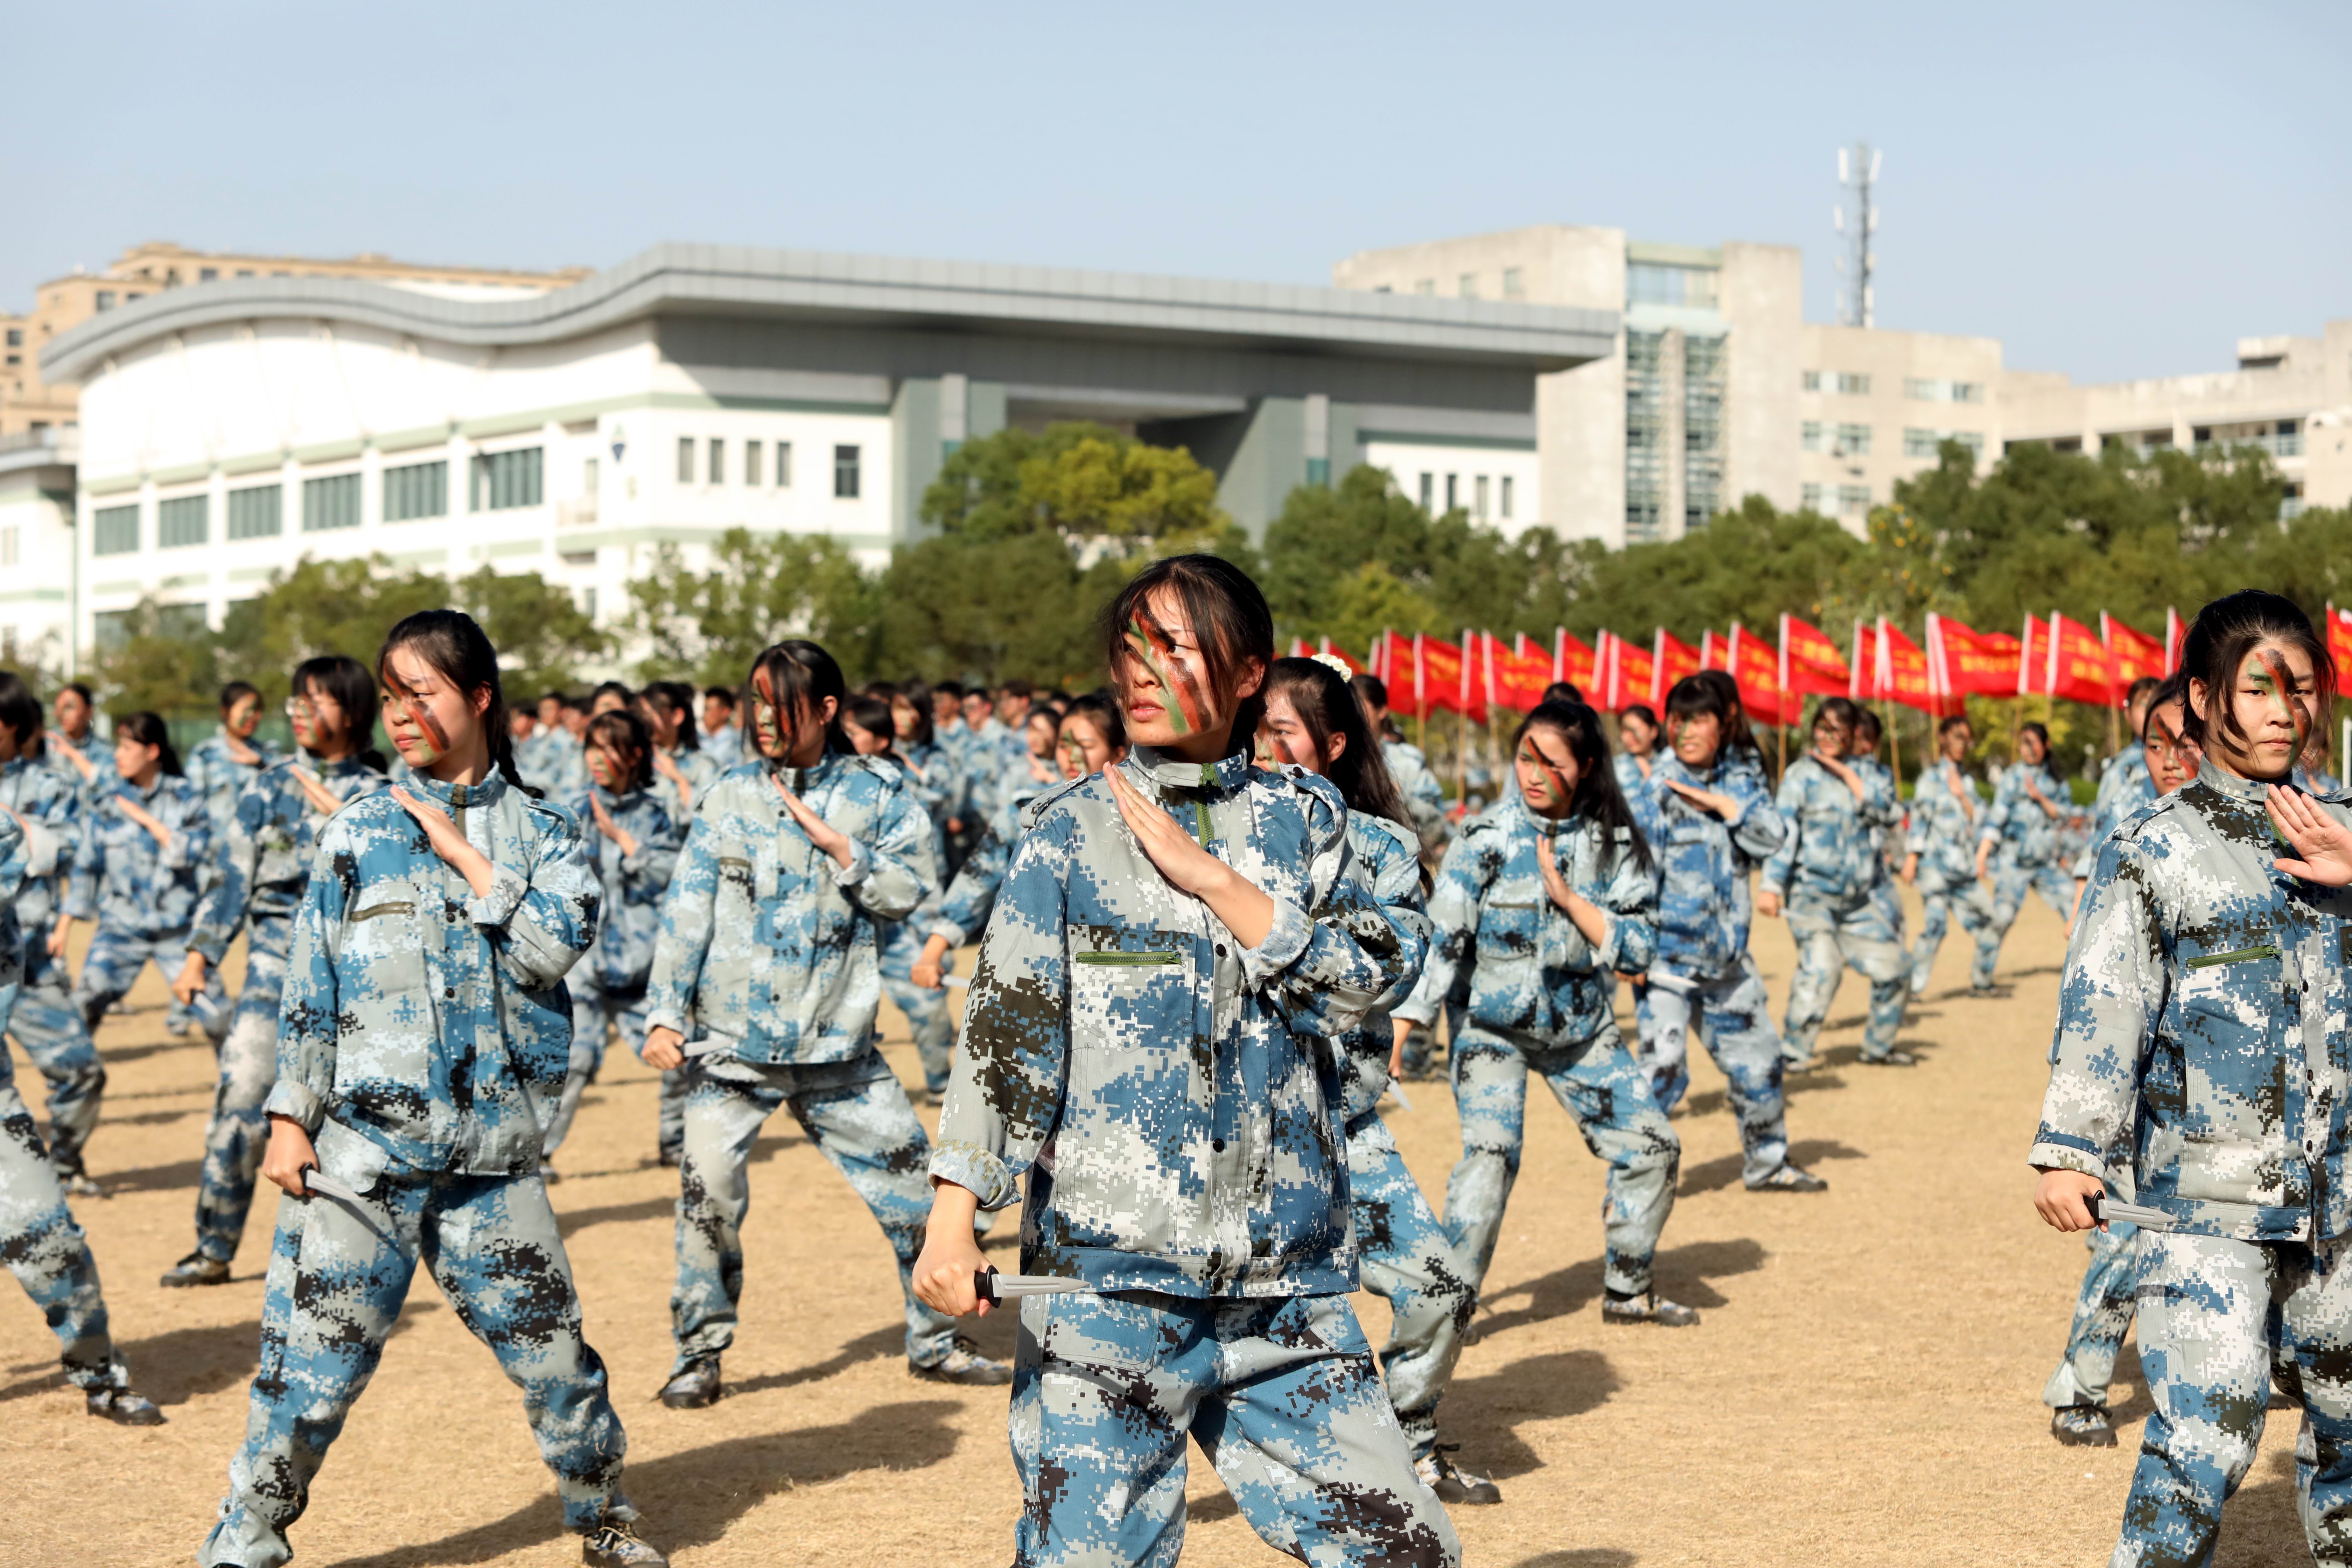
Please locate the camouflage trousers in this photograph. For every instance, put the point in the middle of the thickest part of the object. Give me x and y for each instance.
(863, 1124)
(238, 1130)
(1607, 1096)
(1734, 1020)
(2012, 882)
(49, 1024)
(1421, 1042)
(926, 1010)
(112, 966)
(1408, 1261)
(2103, 1316)
(1972, 901)
(1830, 937)
(2218, 1322)
(1280, 1394)
(596, 1012)
(43, 1247)
(338, 1275)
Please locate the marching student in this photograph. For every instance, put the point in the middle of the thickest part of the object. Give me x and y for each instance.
(220, 766)
(43, 1247)
(1707, 814)
(2124, 785)
(767, 965)
(930, 768)
(2077, 1391)
(1540, 901)
(1637, 745)
(1423, 795)
(722, 735)
(73, 748)
(1941, 858)
(425, 1024)
(264, 866)
(50, 804)
(2205, 909)
(631, 827)
(2019, 841)
(687, 771)
(1197, 1189)
(1829, 877)
(871, 723)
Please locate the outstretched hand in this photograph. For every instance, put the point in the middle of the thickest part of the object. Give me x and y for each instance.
(2322, 845)
(1707, 800)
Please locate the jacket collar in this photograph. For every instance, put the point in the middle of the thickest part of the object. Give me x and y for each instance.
(1174, 773)
(802, 780)
(490, 791)
(2229, 787)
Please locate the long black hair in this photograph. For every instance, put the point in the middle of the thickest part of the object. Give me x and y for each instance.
(20, 710)
(2224, 634)
(1100, 709)
(677, 698)
(1713, 691)
(1597, 798)
(149, 729)
(624, 730)
(457, 648)
(1373, 693)
(1229, 617)
(801, 675)
(872, 714)
(345, 680)
(918, 696)
(1326, 703)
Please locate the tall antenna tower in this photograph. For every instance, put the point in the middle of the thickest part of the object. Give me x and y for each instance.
(1858, 172)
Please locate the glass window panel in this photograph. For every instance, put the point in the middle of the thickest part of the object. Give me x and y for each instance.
(257, 511)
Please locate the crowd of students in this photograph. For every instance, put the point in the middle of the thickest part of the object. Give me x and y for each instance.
(1222, 907)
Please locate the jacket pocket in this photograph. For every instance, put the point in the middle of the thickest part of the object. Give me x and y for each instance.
(2240, 955)
(1144, 960)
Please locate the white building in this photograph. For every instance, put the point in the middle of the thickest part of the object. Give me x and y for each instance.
(229, 428)
(37, 548)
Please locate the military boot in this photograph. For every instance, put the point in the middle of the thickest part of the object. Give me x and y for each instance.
(1789, 1179)
(1451, 1483)
(196, 1269)
(122, 1407)
(1647, 1307)
(616, 1544)
(966, 1365)
(695, 1387)
(2082, 1426)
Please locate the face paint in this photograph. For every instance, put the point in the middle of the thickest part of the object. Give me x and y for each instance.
(430, 746)
(2278, 685)
(1159, 655)
(1074, 756)
(305, 721)
(768, 718)
(605, 767)
(1557, 789)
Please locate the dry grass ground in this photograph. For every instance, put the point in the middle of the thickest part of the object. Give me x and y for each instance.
(1863, 1389)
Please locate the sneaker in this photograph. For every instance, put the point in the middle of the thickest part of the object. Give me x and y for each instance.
(122, 1407)
(1893, 1059)
(196, 1269)
(547, 1175)
(670, 1158)
(79, 1185)
(613, 1545)
(1789, 1179)
(2082, 1426)
(1650, 1308)
(1800, 1064)
(694, 1388)
(965, 1365)
(1451, 1483)
(177, 1028)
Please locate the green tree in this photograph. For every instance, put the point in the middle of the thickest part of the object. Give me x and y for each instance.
(758, 589)
(1095, 487)
(153, 660)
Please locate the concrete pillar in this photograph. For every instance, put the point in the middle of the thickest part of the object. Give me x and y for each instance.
(915, 451)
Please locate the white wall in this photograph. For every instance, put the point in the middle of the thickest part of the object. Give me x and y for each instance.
(1409, 461)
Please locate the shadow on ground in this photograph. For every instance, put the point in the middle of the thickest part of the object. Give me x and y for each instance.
(151, 1178)
(570, 1223)
(1485, 1413)
(1723, 1173)
(881, 1342)
(1709, 1102)
(688, 1499)
(1682, 1273)
(1581, 1557)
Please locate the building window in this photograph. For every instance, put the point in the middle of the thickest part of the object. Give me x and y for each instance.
(752, 463)
(783, 465)
(257, 512)
(1469, 289)
(184, 521)
(419, 489)
(1853, 440)
(1506, 496)
(2291, 503)
(718, 466)
(1853, 385)
(208, 275)
(330, 503)
(1809, 497)
(1426, 285)
(1478, 506)
(105, 299)
(1927, 390)
(1704, 368)
(588, 601)
(1815, 438)
(1512, 287)
(1428, 490)
(1652, 283)
(1453, 492)
(1813, 381)
(1854, 500)
(686, 459)
(16, 337)
(10, 547)
(1645, 436)
(112, 628)
(845, 473)
(503, 481)
(114, 531)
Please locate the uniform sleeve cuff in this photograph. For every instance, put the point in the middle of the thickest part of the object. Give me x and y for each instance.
(860, 867)
(1284, 941)
(498, 905)
(292, 1099)
(2055, 1151)
(952, 932)
(977, 1171)
(41, 845)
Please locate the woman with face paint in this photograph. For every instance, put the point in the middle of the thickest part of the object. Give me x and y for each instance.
(633, 827)
(768, 973)
(1939, 849)
(265, 866)
(1708, 815)
(220, 766)
(2199, 1027)
(666, 709)
(1637, 744)
(424, 1040)
(2020, 845)
(1177, 938)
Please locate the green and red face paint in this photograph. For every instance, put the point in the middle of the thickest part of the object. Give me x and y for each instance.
(768, 727)
(1188, 709)
(412, 708)
(1558, 789)
(2276, 682)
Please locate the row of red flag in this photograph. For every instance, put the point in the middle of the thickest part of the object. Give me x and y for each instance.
(2054, 657)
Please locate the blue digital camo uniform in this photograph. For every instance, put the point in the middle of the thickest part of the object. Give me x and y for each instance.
(702, 773)
(425, 1029)
(1196, 1179)
(2124, 788)
(146, 895)
(766, 963)
(608, 984)
(2203, 1020)
(1703, 973)
(1830, 873)
(220, 778)
(1425, 800)
(45, 1022)
(263, 867)
(1945, 814)
(557, 765)
(2029, 844)
(39, 1241)
(1541, 995)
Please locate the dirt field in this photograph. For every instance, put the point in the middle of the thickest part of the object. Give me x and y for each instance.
(1864, 1390)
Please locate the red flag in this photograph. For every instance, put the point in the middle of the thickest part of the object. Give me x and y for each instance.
(1341, 655)
(1901, 674)
(1808, 662)
(1755, 667)
(1714, 650)
(2033, 659)
(1671, 658)
(2131, 656)
(1961, 661)
(1514, 679)
(1629, 676)
(2175, 634)
(1572, 661)
(2339, 640)
(1444, 674)
(2078, 663)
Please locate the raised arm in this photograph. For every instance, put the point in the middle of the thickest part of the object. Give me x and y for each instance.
(1323, 967)
(971, 898)
(1469, 866)
(660, 832)
(891, 877)
(1628, 900)
(541, 917)
(2112, 990)
(222, 908)
(1756, 823)
(309, 1032)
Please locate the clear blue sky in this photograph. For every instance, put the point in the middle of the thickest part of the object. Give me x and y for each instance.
(2113, 190)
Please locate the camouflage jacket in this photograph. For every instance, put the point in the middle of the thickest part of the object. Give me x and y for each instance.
(631, 886)
(99, 753)
(143, 886)
(1831, 854)
(2203, 1012)
(1944, 827)
(2019, 831)
(554, 766)
(702, 773)
(54, 854)
(1631, 780)
(264, 862)
(1704, 910)
(1531, 973)
(15, 865)
(2124, 788)
(1887, 836)
(963, 909)
(433, 1022)
(1171, 1095)
(1424, 797)
(221, 778)
(768, 946)
(1388, 856)
(932, 774)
